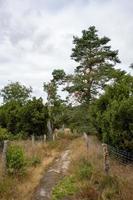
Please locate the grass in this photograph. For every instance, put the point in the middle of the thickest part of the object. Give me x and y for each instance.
(90, 179)
(39, 157)
(85, 178)
(65, 187)
(84, 170)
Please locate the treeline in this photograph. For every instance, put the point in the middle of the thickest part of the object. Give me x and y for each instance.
(22, 115)
(112, 114)
(99, 100)
(23, 120)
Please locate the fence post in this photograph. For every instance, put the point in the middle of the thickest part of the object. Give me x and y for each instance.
(4, 158)
(86, 138)
(53, 136)
(44, 138)
(106, 159)
(33, 140)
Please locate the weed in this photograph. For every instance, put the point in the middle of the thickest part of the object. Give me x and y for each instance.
(35, 161)
(84, 170)
(7, 186)
(87, 192)
(16, 161)
(64, 188)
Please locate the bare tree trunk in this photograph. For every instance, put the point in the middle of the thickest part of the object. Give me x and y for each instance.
(50, 131)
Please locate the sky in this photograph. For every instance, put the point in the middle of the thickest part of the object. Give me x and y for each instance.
(36, 36)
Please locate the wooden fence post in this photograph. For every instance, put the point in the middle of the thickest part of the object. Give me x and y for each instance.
(106, 159)
(33, 140)
(53, 136)
(86, 138)
(44, 138)
(4, 158)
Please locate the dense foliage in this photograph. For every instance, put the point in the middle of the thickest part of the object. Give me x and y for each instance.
(96, 61)
(112, 114)
(26, 119)
(15, 92)
(16, 161)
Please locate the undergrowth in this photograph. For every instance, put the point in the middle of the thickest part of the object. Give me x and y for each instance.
(66, 187)
(87, 180)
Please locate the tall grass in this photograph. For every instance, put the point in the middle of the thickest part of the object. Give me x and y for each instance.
(92, 182)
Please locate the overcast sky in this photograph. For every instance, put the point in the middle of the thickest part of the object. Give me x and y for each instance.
(36, 35)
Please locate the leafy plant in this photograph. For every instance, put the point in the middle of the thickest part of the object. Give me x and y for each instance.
(4, 134)
(64, 188)
(16, 161)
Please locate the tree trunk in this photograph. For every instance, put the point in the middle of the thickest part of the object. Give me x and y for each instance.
(50, 131)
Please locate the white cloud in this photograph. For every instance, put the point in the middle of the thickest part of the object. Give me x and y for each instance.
(36, 35)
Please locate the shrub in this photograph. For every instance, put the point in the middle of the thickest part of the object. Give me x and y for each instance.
(19, 136)
(4, 134)
(16, 161)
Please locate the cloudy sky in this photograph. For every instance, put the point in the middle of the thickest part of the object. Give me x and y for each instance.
(36, 35)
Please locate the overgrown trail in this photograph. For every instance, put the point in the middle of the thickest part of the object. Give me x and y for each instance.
(52, 176)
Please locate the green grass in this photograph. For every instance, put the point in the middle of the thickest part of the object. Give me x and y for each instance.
(64, 188)
(68, 186)
(84, 170)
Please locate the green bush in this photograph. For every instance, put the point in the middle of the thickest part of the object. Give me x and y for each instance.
(112, 114)
(16, 162)
(20, 136)
(4, 134)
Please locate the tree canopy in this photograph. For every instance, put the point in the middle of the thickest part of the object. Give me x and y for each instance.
(96, 62)
(14, 91)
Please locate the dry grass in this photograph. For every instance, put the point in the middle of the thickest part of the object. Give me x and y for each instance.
(118, 186)
(21, 188)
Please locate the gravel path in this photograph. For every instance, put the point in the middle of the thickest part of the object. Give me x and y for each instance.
(52, 177)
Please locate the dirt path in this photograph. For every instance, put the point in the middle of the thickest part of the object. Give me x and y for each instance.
(52, 177)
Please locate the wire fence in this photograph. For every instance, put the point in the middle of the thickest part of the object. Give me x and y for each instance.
(123, 156)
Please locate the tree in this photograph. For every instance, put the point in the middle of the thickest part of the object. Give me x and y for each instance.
(96, 65)
(58, 76)
(131, 66)
(9, 116)
(54, 103)
(33, 117)
(112, 114)
(27, 119)
(15, 92)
